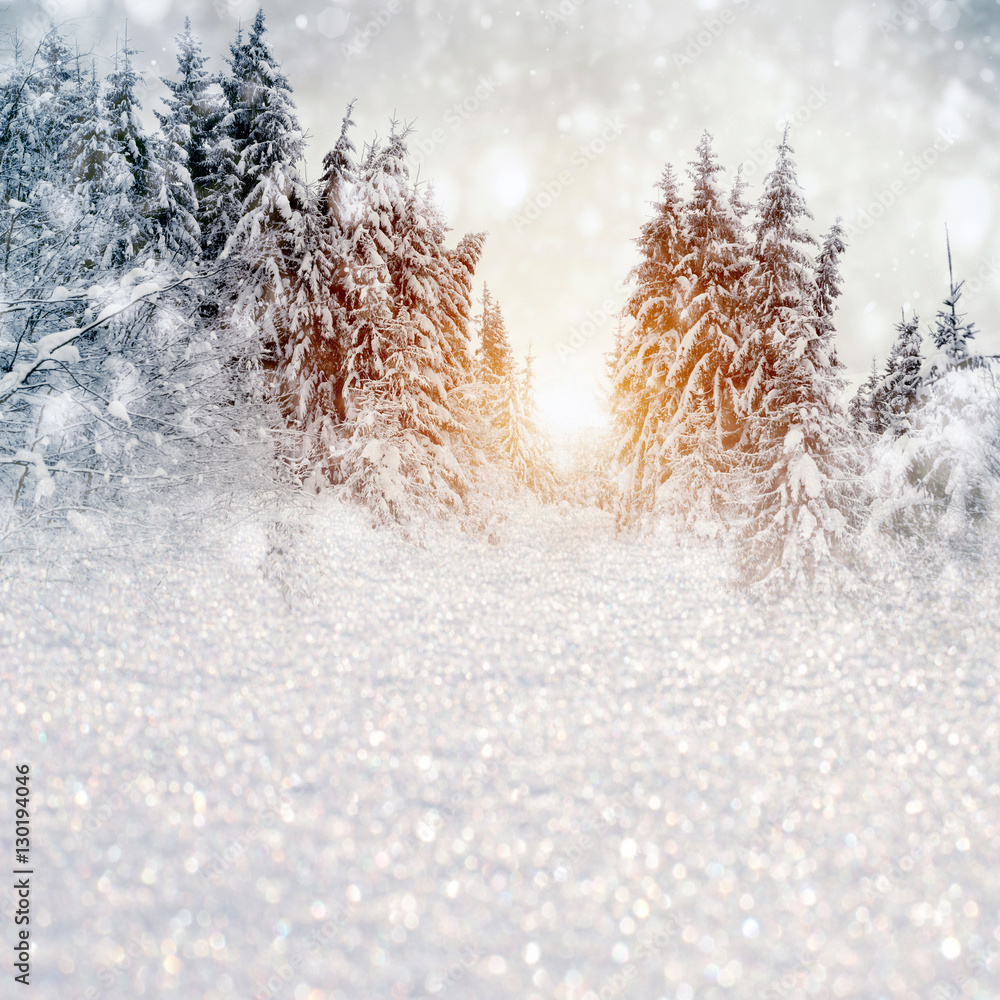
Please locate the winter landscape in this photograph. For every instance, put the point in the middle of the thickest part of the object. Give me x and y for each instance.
(384, 615)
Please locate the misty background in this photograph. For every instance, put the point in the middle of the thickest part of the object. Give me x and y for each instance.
(548, 122)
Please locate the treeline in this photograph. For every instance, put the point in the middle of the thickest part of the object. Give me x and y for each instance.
(181, 308)
(728, 395)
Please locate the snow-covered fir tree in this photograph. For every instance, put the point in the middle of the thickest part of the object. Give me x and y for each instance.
(256, 110)
(263, 135)
(327, 296)
(894, 396)
(409, 361)
(138, 193)
(828, 279)
(798, 486)
(951, 333)
(519, 439)
(706, 423)
(860, 407)
(185, 128)
(111, 233)
(494, 356)
(942, 471)
(508, 416)
(262, 126)
(643, 399)
(494, 368)
(823, 349)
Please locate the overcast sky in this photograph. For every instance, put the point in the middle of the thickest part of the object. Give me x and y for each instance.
(547, 122)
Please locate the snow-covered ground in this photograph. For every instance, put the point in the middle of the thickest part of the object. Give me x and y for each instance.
(564, 766)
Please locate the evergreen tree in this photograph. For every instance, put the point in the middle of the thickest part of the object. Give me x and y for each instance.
(41, 102)
(382, 203)
(112, 232)
(324, 303)
(828, 279)
(895, 395)
(799, 485)
(494, 373)
(264, 131)
(409, 360)
(860, 409)
(828, 282)
(259, 162)
(183, 149)
(948, 447)
(951, 334)
(220, 208)
(949, 456)
(123, 107)
(516, 437)
(643, 400)
(495, 357)
(254, 147)
(519, 439)
(54, 61)
(706, 425)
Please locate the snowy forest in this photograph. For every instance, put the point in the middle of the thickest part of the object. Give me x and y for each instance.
(352, 648)
(183, 311)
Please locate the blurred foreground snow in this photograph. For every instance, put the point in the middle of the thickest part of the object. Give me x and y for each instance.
(481, 771)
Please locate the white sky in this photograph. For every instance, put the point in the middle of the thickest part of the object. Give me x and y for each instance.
(553, 74)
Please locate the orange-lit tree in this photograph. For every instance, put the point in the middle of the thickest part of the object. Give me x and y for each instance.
(643, 400)
(509, 420)
(705, 425)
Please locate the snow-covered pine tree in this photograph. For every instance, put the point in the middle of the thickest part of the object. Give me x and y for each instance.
(403, 416)
(183, 173)
(258, 153)
(584, 475)
(544, 480)
(254, 145)
(951, 334)
(643, 401)
(895, 394)
(949, 451)
(828, 282)
(739, 206)
(860, 407)
(326, 300)
(495, 358)
(515, 438)
(54, 62)
(493, 367)
(263, 127)
(828, 279)
(42, 101)
(381, 197)
(447, 314)
(519, 440)
(705, 424)
(111, 233)
(219, 206)
(133, 213)
(798, 491)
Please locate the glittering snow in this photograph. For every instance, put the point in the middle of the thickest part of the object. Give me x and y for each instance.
(566, 765)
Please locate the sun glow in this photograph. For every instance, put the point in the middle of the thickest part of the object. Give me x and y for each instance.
(565, 407)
